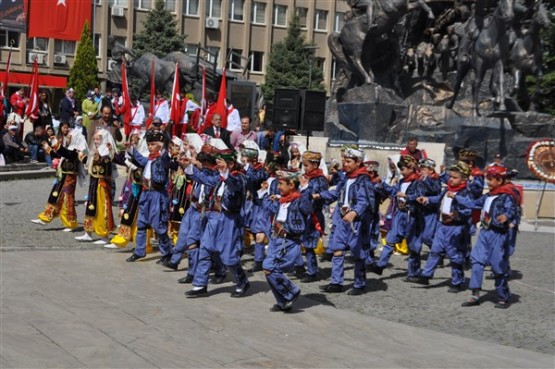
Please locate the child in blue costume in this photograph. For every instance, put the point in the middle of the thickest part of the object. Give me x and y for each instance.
(291, 212)
(223, 235)
(492, 247)
(314, 181)
(154, 200)
(453, 222)
(430, 185)
(352, 217)
(407, 219)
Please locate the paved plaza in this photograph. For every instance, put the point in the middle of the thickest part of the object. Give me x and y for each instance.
(69, 305)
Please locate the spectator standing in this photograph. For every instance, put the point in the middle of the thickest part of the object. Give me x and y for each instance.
(243, 133)
(412, 150)
(137, 113)
(216, 130)
(18, 102)
(45, 110)
(107, 122)
(69, 108)
(233, 117)
(90, 109)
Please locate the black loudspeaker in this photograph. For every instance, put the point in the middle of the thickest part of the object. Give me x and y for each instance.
(269, 116)
(313, 110)
(286, 109)
(242, 95)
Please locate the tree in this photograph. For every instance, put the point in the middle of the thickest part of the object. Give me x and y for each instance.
(289, 64)
(159, 35)
(83, 75)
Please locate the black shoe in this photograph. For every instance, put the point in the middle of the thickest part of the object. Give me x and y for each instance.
(413, 279)
(219, 279)
(257, 267)
(289, 304)
(332, 288)
(326, 257)
(502, 304)
(186, 279)
(309, 278)
(169, 264)
(473, 301)
(163, 259)
(300, 271)
(196, 293)
(490, 276)
(455, 289)
(276, 307)
(373, 268)
(356, 291)
(133, 258)
(422, 280)
(240, 292)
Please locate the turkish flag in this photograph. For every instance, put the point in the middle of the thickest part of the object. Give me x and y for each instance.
(219, 106)
(32, 109)
(126, 108)
(59, 19)
(176, 114)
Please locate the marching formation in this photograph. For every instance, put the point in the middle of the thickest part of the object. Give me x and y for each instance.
(204, 202)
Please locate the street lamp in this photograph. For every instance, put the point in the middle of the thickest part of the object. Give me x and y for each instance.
(311, 61)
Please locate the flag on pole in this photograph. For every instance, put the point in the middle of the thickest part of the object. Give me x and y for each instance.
(175, 108)
(152, 110)
(126, 108)
(32, 109)
(218, 107)
(59, 19)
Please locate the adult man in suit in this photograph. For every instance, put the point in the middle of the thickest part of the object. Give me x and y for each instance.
(216, 130)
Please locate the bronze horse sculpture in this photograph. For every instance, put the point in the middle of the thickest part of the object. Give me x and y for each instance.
(489, 50)
(358, 37)
(526, 56)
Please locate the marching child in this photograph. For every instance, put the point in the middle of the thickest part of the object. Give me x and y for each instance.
(453, 221)
(492, 247)
(291, 211)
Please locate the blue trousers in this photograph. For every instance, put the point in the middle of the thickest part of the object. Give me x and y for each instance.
(430, 223)
(281, 257)
(153, 213)
(491, 248)
(345, 239)
(404, 226)
(222, 239)
(190, 232)
(448, 240)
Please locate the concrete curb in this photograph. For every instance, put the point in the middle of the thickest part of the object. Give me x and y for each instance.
(27, 174)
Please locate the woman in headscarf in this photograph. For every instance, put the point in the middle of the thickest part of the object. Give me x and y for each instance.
(98, 214)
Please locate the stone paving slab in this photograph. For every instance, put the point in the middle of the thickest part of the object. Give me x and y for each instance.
(91, 309)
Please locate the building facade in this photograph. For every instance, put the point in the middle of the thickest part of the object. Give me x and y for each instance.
(240, 31)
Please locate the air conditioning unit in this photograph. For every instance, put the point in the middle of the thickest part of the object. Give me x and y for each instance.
(59, 59)
(118, 11)
(212, 23)
(31, 58)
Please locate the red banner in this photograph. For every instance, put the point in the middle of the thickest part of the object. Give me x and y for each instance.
(175, 108)
(33, 105)
(126, 108)
(24, 79)
(59, 19)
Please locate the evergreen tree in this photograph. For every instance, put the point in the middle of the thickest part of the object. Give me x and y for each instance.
(83, 75)
(289, 64)
(159, 35)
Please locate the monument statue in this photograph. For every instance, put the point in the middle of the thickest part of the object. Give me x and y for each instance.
(403, 71)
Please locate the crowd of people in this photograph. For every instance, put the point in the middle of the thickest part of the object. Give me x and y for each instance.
(205, 197)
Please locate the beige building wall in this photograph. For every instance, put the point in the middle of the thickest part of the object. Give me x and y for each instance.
(244, 35)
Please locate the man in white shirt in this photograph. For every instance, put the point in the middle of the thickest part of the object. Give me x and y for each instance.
(137, 113)
(162, 108)
(233, 117)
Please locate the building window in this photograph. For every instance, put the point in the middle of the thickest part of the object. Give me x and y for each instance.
(9, 38)
(280, 15)
(320, 63)
(236, 10)
(258, 12)
(143, 4)
(302, 13)
(98, 45)
(190, 7)
(117, 39)
(256, 61)
(334, 69)
(191, 49)
(122, 3)
(37, 44)
(64, 47)
(170, 5)
(339, 21)
(235, 59)
(321, 20)
(213, 8)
